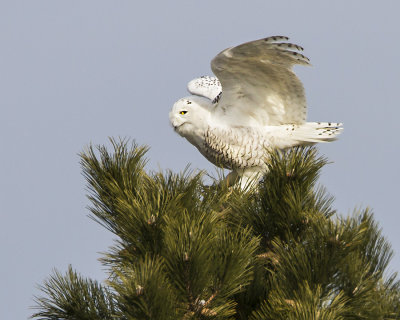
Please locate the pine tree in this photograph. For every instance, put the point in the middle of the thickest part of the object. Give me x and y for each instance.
(190, 251)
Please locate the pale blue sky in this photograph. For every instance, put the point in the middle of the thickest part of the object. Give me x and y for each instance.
(74, 72)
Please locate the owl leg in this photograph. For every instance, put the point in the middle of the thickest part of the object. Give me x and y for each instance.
(246, 178)
(231, 178)
(249, 177)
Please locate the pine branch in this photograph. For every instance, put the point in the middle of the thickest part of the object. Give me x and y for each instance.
(70, 296)
(113, 179)
(144, 292)
(305, 303)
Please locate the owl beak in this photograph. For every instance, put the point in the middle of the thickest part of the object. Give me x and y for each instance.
(174, 125)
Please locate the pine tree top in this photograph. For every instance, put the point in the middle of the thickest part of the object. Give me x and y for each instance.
(185, 250)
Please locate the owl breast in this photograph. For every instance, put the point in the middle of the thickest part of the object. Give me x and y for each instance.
(236, 147)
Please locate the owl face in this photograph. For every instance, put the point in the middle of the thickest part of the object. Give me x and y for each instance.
(189, 112)
(181, 112)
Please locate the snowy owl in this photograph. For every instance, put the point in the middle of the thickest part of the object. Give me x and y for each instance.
(255, 104)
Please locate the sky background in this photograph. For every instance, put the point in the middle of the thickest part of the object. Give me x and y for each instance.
(77, 72)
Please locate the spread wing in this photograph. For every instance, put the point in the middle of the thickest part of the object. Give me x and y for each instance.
(206, 86)
(258, 84)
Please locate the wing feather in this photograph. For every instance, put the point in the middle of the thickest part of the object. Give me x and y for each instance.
(259, 86)
(205, 86)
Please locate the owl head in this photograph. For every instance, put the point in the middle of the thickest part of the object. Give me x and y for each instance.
(190, 114)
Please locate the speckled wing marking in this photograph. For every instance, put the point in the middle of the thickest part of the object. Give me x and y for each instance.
(206, 86)
(258, 84)
(235, 147)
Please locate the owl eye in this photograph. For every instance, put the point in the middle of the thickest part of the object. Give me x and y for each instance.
(183, 112)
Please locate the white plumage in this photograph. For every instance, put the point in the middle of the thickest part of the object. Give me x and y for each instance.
(255, 104)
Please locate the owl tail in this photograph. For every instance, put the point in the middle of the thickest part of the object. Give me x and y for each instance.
(314, 132)
(290, 135)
